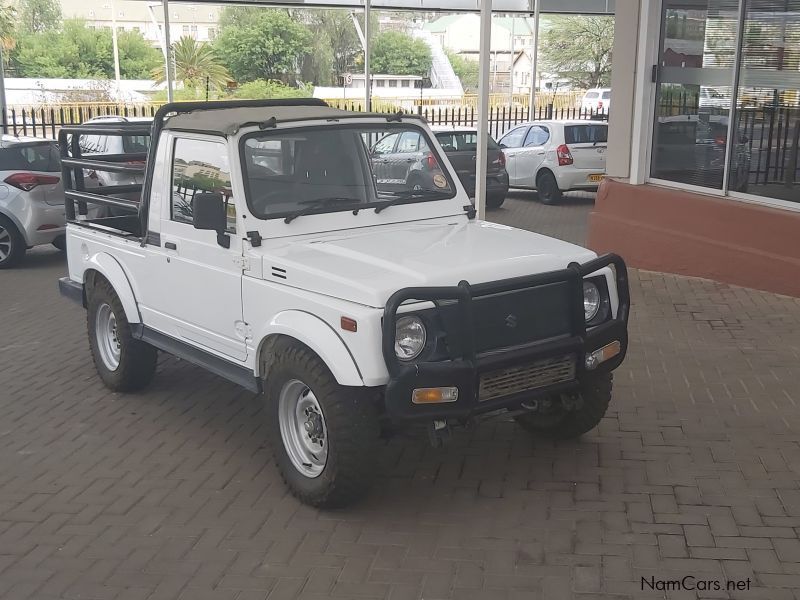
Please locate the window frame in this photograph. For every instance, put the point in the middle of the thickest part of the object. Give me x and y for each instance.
(222, 140)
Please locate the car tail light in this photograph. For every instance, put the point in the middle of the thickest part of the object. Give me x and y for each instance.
(720, 140)
(564, 155)
(28, 181)
(502, 159)
(430, 162)
(599, 105)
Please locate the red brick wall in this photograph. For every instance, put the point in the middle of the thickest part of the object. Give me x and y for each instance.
(675, 231)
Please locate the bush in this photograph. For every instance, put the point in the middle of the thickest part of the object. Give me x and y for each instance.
(270, 88)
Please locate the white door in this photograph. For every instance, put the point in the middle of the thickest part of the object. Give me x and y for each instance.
(511, 144)
(531, 155)
(198, 283)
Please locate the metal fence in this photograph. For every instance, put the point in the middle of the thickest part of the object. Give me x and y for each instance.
(45, 122)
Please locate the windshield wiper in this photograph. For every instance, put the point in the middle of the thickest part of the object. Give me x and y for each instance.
(411, 194)
(317, 203)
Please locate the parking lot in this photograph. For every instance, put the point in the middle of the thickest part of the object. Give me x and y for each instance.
(171, 493)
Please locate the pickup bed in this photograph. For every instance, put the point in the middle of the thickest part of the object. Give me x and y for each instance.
(269, 246)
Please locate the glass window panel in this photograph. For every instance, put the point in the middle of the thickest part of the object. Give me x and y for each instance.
(693, 100)
(764, 160)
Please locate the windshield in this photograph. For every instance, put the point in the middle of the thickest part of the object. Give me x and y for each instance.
(341, 167)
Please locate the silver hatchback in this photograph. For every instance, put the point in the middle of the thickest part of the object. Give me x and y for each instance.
(31, 197)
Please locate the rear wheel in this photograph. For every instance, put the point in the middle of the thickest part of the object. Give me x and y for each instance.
(323, 435)
(495, 201)
(595, 396)
(123, 363)
(12, 244)
(61, 243)
(547, 187)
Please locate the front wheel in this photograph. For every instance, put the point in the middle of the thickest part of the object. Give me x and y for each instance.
(595, 396)
(124, 364)
(323, 435)
(547, 187)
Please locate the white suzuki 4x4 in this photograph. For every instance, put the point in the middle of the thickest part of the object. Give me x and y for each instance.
(274, 245)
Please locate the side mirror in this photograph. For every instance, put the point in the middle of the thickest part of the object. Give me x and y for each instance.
(208, 213)
(502, 145)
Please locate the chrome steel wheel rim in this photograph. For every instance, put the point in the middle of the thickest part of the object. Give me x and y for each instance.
(303, 429)
(107, 338)
(5, 243)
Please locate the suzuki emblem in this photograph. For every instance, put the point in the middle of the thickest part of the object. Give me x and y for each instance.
(511, 321)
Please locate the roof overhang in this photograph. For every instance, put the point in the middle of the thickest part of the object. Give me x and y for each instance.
(597, 7)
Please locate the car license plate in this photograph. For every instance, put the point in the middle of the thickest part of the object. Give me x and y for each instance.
(597, 177)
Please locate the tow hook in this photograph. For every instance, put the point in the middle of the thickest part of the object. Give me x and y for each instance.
(438, 433)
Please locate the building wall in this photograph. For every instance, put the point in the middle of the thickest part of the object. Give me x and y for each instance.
(696, 186)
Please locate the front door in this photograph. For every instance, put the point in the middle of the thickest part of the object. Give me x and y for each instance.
(199, 283)
(531, 155)
(511, 144)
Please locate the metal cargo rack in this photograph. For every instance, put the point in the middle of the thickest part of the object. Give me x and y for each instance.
(73, 165)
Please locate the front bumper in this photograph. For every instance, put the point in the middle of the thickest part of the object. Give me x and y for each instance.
(467, 370)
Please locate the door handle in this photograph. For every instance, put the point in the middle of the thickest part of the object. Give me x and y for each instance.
(170, 245)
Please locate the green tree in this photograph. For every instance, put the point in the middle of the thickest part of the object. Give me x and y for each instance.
(397, 53)
(8, 35)
(257, 43)
(262, 88)
(466, 70)
(137, 57)
(578, 49)
(196, 64)
(36, 16)
(75, 51)
(338, 42)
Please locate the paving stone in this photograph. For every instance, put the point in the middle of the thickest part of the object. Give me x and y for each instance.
(171, 492)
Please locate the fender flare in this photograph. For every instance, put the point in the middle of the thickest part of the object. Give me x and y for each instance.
(108, 266)
(13, 218)
(317, 335)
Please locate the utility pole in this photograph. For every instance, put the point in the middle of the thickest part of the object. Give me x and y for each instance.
(367, 43)
(116, 48)
(168, 51)
(483, 108)
(511, 66)
(534, 58)
(3, 105)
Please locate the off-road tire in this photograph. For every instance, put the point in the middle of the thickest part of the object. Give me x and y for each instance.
(495, 201)
(16, 250)
(596, 394)
(61, 243)
(137, 361)
(351, 419)
(547, 188)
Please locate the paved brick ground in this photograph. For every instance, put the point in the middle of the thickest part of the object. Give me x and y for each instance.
(171, 494)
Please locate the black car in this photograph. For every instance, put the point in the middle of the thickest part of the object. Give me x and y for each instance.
(403, 160)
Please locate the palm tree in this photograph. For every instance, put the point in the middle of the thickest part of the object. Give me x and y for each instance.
(196, 65)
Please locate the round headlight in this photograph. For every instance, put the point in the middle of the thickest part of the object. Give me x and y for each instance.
(409, 338)
(591, 300)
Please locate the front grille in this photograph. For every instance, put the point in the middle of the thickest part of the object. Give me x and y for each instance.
(512, 318)
(505, 382)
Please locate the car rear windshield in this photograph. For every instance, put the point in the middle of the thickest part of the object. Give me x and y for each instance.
(340, 167)
(30, 157)
(591, 95)
(135, 143)
(606, 95)
(585, 134)
(461, 141)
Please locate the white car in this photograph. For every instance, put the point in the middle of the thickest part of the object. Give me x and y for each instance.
(556, 156)
(596, 100)
(267, 251)
(31, 197)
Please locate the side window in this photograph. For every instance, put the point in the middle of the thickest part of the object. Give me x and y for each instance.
(537, 136)
(409, 142)
(200, 166)
(513, 139)
(385, 145)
